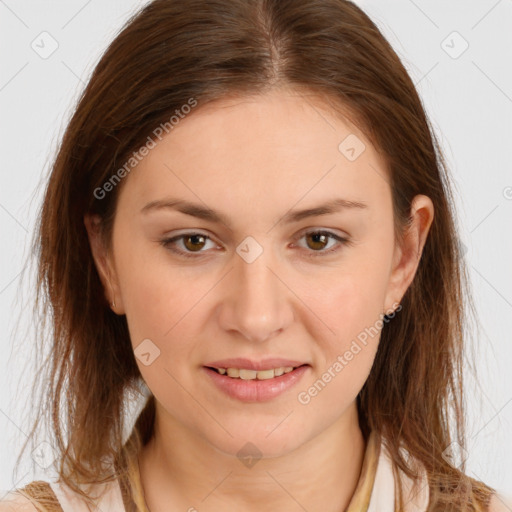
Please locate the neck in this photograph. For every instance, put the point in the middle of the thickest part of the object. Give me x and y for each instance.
(182, 468)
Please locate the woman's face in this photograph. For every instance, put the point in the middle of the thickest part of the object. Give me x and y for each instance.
(265, 282)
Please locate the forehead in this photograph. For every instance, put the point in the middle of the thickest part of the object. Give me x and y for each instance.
(281, 148)
(279, 127)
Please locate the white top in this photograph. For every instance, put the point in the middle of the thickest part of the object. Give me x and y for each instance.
(111, 499)
(383, 493)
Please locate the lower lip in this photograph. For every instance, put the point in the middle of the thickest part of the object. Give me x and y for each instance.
(256, 390)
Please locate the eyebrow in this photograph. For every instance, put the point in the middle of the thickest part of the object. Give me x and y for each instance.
(205, 213)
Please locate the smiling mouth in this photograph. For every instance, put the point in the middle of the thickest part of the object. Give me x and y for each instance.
(245, 374)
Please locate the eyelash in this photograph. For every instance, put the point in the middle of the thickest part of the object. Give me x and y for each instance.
(168, 242)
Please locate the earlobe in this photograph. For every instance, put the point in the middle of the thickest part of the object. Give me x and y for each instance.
(101, 259)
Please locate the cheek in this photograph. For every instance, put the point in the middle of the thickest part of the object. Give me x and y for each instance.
(350, 300)
(160, 311)
(159, 307)
(352, 311)
(349, 309)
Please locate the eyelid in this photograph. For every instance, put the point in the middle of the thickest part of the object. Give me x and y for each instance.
(315, 229)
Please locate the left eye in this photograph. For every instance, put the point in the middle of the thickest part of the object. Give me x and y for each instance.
(320, 239)
(192, 241)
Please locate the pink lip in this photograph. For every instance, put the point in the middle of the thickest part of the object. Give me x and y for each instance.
(255, 390)
(265, 364)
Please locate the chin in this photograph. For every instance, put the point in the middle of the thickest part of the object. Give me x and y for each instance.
(268, 439)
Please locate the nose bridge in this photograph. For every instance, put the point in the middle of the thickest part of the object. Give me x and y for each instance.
(258, 306)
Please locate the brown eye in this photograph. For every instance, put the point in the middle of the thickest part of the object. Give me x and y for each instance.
(317, 243)
(318, 240)
(194, 242)
(189, 245)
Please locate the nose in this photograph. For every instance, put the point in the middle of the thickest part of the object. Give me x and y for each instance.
(257, 302)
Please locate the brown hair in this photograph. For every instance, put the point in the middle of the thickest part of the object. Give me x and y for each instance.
(167, 54)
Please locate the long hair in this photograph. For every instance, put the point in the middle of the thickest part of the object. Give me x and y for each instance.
(173, 54)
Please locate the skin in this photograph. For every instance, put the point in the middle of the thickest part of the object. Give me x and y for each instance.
(254, 159)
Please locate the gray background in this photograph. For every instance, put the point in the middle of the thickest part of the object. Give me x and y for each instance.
(467, 93)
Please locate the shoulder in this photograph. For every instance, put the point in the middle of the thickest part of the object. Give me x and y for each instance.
(15, 502)
(36, 496)
(500, 503)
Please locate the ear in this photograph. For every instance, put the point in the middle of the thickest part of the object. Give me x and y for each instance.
(406, 258)
(104, 263)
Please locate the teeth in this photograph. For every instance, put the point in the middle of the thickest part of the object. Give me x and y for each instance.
(244, 374)
(233, 372)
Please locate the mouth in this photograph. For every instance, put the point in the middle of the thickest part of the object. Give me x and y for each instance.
(250, 374)
(250, 385)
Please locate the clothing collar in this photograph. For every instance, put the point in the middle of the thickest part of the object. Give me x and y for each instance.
(376, 490)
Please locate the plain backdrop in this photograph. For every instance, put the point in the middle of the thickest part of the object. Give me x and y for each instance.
(458, 53)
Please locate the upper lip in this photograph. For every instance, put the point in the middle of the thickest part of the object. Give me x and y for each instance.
(265, 364)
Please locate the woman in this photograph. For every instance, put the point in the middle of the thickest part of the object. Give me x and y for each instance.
(309, 355)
